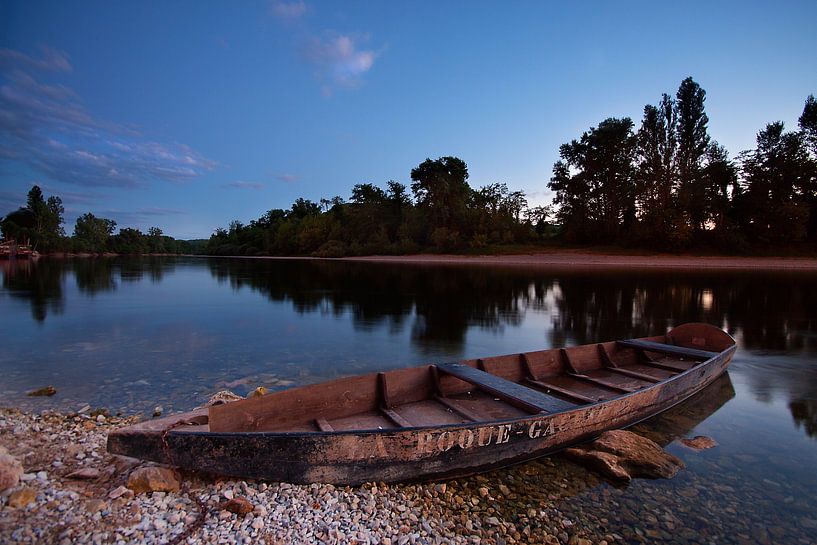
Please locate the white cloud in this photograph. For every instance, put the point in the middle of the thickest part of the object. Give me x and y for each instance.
(288, 10)
(339, 62)
(238, 184)
(48, 129)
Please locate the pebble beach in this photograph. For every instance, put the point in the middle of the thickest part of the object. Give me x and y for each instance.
(73, 491)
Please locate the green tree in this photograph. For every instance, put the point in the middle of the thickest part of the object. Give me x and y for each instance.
(594, 182)
(156, 241)
(92, 234)
(441, 190)
(808, 123)
(777, 176)
(808, 128)
(130, 241)
(40, 221)
(657, 168)
(693, 142)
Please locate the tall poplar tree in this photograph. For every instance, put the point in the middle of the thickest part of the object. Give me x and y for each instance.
(693, 142)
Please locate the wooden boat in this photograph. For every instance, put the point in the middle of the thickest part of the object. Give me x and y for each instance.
(437, 421)
(10, 249)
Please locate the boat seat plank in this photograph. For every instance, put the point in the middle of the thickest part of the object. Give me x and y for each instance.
(510, 391)
(669, 349)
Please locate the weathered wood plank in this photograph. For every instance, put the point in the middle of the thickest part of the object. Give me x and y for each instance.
(634, 374)
(513, 393)
(665, 365)
(603, 383)
(396, 418)
(668, 349)
(323, 425)
(563, 391)
(459, 409)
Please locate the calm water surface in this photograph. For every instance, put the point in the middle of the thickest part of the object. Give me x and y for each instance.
(130, 334)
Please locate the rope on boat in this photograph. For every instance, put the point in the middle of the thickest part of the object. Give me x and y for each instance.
(200, 518)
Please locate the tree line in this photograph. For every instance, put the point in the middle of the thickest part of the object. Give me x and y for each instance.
(40, 223)
(667, 185)
(670, 185)
(440, 211)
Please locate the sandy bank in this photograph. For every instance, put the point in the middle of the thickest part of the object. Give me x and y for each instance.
(579, 259)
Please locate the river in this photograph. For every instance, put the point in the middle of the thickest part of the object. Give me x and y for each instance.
(131, 334)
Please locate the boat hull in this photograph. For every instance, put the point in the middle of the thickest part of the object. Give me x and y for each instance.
(411, 453)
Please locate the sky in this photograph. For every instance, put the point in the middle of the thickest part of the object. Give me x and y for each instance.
(187, 115)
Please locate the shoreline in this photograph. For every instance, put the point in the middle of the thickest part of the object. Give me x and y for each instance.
(578, 260)
(556, 259)
(76, 492)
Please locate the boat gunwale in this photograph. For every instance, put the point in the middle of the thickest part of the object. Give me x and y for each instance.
(464, 425)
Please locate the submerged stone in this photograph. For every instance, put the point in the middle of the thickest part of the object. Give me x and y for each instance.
(700, 442)
(622, 455)
(47, 391)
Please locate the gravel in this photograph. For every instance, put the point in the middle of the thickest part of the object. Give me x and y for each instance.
(549, 501)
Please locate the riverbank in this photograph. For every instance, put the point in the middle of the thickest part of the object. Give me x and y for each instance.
(581, 259)
(99, 508)
(548, 501)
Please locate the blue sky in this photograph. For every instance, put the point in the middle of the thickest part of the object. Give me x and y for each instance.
(189, 114)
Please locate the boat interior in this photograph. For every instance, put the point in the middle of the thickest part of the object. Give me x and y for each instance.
(479, 390)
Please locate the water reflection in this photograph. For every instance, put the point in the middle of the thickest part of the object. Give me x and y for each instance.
(679, 421)
(804, 412)
(40, 282)
(441, 311)
(130, 334)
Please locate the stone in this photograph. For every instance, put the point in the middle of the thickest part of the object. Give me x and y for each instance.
(224, 396)
(124, 464)
(22, 497)
(95, 505)
(258, 392)
(84, 474)
(120, 491)
(699, 442)
(153, 479)
(504, 490)
(48, 391)
(10, 471)
(622, 455)
(157, 410)
(237, 505)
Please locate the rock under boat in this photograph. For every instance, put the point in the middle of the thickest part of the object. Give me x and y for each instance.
(437, 421)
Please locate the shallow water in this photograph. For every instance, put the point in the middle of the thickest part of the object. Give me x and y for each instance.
(130, 334)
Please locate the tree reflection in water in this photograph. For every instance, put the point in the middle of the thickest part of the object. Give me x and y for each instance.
(770, 313)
